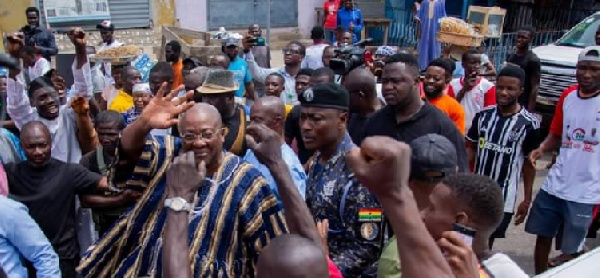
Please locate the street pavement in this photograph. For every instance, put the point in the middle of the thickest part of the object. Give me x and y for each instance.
(518, 244)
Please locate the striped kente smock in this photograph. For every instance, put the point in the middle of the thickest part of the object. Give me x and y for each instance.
(239, 217)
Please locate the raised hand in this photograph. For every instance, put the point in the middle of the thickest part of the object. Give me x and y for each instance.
(265, 143)
(248, 42)
(381, 164)
(80, 105)
(164, 108)
(77, 37)
(184, 177)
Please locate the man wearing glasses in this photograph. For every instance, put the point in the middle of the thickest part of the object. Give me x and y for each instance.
(293, 54)
(231, 216)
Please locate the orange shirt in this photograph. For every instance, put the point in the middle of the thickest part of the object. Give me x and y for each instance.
(452, 108)
(178, 75)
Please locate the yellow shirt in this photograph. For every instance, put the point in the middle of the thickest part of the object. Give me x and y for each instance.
(288, 109)
(122, 102)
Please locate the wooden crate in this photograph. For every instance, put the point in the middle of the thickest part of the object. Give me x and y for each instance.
(193, 43)
(488, 21)
(459, 39)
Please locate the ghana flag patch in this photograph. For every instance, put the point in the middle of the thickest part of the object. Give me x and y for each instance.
(369, 215)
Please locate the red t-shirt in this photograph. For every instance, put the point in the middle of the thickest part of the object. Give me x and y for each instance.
(330, 9)
(334, 272)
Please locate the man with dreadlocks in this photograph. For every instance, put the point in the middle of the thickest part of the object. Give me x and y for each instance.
(70, 128)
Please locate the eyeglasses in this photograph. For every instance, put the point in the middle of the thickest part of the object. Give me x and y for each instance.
(206, 135)
(290, 51)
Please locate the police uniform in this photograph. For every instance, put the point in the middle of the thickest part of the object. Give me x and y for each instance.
(333, 193)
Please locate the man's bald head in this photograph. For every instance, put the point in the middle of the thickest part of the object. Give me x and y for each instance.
(294, 255)
(37, 143)
(202, 132)
(34, 128)
(269, 111)
(269, 103)
(361, 85)
(201, 112)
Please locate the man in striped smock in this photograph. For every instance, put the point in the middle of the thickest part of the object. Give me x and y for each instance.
(232, 216)
(500, 138)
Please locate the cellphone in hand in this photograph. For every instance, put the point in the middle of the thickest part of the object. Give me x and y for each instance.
(467, 234)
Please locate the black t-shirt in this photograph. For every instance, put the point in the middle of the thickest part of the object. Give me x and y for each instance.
(292, 130)
(428, 120)
(356, 126)
(530, 63)
(235, 132)
(49, 194)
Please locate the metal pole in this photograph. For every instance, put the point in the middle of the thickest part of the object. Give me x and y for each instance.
(569, 15)
(268, 22)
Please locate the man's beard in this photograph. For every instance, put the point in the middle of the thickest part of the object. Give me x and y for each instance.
(433, 94)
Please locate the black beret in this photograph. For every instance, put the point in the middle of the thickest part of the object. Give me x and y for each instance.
(326, 95)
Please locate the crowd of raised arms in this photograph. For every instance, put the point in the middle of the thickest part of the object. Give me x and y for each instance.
(222, 166)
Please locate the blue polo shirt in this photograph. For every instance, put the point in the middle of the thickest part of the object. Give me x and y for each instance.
(240, 69)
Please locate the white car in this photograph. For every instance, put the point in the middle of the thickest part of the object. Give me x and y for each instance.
(559, 60)
(584, 266)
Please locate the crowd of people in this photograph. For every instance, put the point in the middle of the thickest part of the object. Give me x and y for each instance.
(238, 169)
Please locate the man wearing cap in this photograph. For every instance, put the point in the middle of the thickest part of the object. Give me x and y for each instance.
(218, 90)
(314, 53)
(107, 29)
(572, 189)
(433, 158)
(239, 66)
(332, 192)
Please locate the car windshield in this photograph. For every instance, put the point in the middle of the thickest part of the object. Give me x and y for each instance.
(583, 34)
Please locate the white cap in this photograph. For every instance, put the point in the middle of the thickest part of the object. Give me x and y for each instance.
(142, 88)
(590, 53)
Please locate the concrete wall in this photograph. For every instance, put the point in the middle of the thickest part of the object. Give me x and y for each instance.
(191, 14)
(163, 12)
(307, 17)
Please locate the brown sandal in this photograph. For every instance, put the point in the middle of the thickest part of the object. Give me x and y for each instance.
(563, 258)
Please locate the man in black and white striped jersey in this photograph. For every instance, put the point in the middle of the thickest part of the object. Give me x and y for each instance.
(500, 139)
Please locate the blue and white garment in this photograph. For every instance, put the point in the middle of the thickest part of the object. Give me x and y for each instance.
(291, 160)
(235, 216)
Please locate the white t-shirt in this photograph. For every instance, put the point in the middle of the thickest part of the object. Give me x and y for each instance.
(575, 176)
(41, 67)
(482, 95)
(314, 56)
(501, 266)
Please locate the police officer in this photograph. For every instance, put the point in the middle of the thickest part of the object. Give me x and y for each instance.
(332, 192)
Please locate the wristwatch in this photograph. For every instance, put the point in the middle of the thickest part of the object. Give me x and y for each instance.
(178, 204)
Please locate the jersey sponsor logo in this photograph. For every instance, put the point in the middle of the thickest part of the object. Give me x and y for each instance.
(578, 134)
(513, 135)
(494, 147)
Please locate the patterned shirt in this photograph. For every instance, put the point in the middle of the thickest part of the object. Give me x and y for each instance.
(333, 193)
(236, 214)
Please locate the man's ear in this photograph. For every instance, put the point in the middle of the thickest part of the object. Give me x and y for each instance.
(462, 218)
